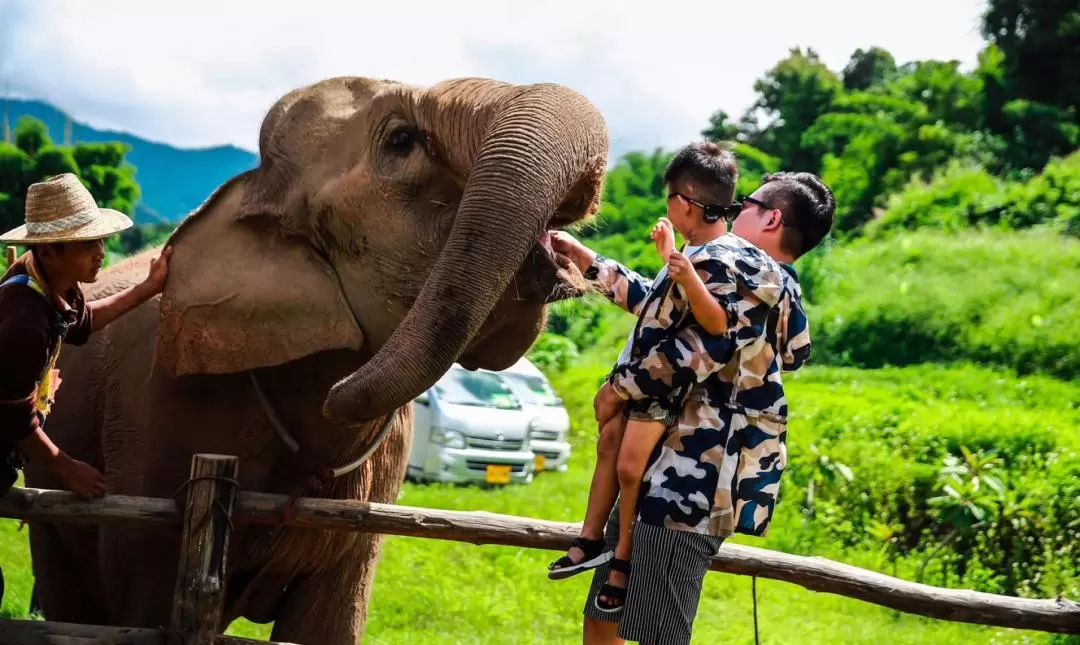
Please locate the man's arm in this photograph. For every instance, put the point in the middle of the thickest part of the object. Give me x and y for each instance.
(105, 310)
(795, 336)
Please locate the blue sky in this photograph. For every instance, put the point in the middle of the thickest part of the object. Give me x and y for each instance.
(201, 72)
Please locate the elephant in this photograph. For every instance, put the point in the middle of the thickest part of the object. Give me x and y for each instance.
(388, 231)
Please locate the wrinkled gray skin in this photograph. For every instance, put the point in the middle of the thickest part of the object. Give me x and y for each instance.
(387, 232)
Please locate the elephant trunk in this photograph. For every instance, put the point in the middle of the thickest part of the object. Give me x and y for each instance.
(527, 151)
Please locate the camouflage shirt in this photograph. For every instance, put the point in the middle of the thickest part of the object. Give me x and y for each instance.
(718, 469)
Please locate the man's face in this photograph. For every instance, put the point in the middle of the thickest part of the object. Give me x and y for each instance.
(77, 261)
(758, 218)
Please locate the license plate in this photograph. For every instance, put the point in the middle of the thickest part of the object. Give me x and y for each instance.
(538, 462)
(497, 474)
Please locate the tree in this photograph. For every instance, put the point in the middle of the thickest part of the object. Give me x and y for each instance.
(869, 68)
(1041, 43)
(100, 166)
(793, 94)
(720, 128)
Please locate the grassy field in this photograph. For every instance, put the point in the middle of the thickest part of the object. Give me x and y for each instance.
(430, 591)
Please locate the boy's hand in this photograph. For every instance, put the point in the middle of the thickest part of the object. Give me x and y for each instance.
(606, 404)
(663, 234)
(83, 479)
(565, 244)
(680, 269)
(159, 271)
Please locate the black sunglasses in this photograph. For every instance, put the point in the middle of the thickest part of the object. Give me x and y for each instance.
(713, 211)
(763, 205)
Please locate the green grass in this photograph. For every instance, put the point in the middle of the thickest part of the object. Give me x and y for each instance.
(429, 591)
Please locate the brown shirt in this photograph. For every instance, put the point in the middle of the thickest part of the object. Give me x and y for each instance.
(30, 326)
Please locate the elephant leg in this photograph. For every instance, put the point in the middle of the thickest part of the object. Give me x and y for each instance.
(330, 607)
(64, 564)
(141, 580)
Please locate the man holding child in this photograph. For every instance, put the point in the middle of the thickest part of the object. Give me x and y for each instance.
(712, 375)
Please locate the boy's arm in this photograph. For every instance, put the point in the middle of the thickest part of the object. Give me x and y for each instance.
(712, 316)
(620, 285)
(690, 355)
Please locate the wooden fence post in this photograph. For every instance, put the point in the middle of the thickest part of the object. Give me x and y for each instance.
(200, 576)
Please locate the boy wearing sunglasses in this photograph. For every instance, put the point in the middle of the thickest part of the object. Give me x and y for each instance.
(698, 174)
(716, 471)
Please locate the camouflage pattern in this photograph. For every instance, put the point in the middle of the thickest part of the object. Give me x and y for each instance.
(718, 469)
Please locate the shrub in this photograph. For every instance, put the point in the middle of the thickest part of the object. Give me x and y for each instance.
(999, 298)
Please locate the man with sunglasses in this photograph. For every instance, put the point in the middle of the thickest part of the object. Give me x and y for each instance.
(717, 469)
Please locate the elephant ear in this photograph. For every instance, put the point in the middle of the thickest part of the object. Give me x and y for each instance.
(243, 294)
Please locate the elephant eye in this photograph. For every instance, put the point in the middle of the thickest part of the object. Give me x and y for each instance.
(401, 141)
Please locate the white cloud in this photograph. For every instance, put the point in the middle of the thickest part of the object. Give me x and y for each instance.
(204, 72)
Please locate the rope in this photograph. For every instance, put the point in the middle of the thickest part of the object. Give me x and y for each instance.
(753, 592)
(217, 502)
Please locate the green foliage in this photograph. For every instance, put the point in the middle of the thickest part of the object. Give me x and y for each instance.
(957, 197)
(869, 68)
(792, 95)
(552, 352)
(964, 195)
(31, 136)
(1040, 43)
(968, 472)
(34, 158)
(1000, 298)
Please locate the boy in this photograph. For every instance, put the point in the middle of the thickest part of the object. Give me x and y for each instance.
(717, 470)
(42, 307)
(702, 172)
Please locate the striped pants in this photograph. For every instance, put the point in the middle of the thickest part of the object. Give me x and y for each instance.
(667, 568)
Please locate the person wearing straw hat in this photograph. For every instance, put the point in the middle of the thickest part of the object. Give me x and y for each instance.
(42, 307)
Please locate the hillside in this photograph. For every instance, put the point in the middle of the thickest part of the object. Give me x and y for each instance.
(173, 180)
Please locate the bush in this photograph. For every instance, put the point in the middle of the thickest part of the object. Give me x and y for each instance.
(954, 199)
(896, 428)
(964, 195)
(999, 298)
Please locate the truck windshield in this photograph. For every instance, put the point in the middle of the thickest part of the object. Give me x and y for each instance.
(462, 387)
(535, 390)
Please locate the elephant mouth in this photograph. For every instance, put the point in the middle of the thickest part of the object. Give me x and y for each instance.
(558, 278)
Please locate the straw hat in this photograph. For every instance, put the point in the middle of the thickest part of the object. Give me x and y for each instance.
(61, 209)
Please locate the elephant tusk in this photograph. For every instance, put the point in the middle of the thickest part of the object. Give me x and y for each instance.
(289, 441)
(376, 442)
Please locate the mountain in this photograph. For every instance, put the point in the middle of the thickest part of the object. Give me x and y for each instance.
(174, 181)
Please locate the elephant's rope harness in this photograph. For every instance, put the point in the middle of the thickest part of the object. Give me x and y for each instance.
(320, 473)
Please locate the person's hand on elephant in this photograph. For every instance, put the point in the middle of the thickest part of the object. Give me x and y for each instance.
(83, 479)
(159, 271)
(565, 244)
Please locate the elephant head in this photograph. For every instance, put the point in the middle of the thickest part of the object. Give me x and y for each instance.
(407, 224)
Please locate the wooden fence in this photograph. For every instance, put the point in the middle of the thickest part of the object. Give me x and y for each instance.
(214, 504)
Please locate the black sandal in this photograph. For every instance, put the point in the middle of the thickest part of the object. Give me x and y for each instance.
(596, 554)
(611, 591)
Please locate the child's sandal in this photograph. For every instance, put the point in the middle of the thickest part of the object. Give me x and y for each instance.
(596, 554)
(611, 591)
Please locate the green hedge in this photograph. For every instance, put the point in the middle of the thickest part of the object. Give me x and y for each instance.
(999, 298)
(963, 195)
(893, 429)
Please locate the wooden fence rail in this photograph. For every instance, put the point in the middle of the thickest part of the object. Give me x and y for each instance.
(479, 527)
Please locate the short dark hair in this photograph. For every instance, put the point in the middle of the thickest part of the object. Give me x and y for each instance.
(709, 167)
(807, 204)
